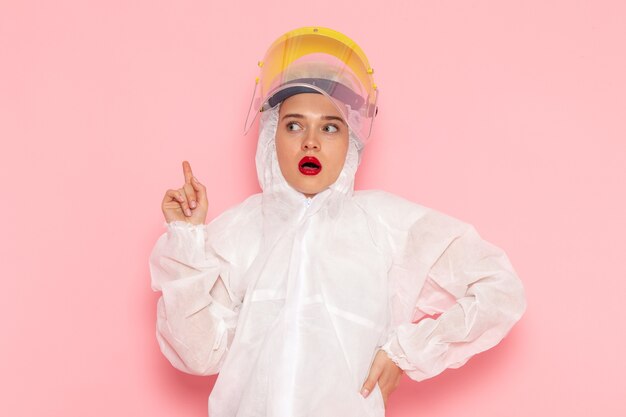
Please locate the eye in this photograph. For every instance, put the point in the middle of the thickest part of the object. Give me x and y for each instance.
(331, 128)
(293, 126)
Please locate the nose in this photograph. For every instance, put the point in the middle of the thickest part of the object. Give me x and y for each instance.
(310, 142)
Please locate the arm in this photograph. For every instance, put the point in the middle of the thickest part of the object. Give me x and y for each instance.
(196, 314)
(477, 296)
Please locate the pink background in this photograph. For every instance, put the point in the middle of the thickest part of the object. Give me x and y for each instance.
(510, 115)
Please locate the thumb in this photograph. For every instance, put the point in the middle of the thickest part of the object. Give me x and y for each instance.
(371, 381)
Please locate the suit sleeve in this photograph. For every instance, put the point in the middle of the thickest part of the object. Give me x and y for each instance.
(197, 311)
(469, 301)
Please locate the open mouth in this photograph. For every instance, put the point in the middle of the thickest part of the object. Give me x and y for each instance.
(310, 165)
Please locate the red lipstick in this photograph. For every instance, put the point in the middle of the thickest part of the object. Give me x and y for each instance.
(310, 165)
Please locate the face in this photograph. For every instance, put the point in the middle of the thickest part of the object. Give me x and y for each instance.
(311, 142)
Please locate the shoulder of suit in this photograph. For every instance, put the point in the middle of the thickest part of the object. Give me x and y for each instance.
(400, 213)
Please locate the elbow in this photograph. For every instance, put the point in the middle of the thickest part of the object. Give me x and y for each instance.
(194, 348)
(500, 301)
(517, 299)
(208, 359)
(514, 308)
(203, 367)
(198, 360)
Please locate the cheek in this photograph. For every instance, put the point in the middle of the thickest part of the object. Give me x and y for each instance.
(284, 153)
(339, 156)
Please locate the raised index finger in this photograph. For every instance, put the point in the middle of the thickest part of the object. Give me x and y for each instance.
(187, 172)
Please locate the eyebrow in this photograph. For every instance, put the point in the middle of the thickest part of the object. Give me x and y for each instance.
(300, 116)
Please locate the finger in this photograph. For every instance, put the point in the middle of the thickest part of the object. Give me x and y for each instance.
(191, 195)
(199, 189)
(371, 380)
(184, 204)
(173, 195)
(187, 172)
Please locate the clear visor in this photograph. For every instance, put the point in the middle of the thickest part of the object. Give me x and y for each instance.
(314, 59)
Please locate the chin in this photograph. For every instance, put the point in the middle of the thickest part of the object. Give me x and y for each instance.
(310, 191)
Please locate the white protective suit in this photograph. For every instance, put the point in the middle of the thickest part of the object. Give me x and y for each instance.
(290, 298)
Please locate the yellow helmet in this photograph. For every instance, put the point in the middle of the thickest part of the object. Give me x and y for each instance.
(321, 60)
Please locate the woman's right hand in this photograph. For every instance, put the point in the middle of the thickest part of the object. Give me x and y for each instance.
(188, 203)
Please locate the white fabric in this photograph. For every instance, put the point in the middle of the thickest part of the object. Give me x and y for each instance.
(290, 298)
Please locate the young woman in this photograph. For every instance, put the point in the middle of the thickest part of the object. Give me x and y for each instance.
(311, 298)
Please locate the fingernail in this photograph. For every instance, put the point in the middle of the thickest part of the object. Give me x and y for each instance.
(193, 204)
(365, 392)
(188, 212)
